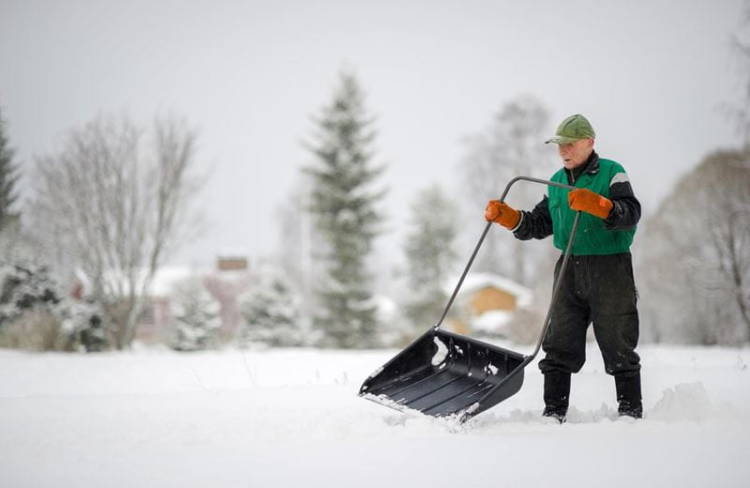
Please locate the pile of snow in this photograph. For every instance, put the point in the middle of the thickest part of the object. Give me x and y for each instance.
(686, 401)
(292, 417)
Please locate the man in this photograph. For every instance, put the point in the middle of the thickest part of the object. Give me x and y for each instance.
(598, 283)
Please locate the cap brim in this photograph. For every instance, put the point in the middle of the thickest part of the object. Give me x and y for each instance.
(561, 140)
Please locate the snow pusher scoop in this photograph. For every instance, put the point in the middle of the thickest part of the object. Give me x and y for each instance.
(445, 374)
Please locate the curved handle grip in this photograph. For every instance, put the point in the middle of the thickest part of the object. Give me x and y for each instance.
(535, 180)
(484, 234)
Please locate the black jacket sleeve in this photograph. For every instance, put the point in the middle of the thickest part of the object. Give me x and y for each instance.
(626, 210)
(536, 224)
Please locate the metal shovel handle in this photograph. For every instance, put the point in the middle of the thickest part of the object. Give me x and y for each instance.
(556, 288)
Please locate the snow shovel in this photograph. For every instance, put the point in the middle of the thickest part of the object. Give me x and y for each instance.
(444, 374)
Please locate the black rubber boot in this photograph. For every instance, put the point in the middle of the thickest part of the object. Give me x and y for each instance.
(629, 395)
(556, 395)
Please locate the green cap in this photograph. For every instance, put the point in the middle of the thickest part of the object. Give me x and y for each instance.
(572, 129)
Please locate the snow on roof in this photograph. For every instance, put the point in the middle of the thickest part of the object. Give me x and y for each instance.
(492, 322)
(477, 281)
(162, 283)
(167, 277)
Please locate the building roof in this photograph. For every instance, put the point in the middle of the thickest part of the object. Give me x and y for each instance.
(493, 322)
(478, 281)
(162, 283)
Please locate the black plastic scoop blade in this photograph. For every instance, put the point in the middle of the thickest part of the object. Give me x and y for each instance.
(445, 374)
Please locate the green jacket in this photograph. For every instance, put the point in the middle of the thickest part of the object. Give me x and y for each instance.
(595, 236)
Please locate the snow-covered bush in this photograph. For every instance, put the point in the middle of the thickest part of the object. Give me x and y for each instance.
(85, 320)
(195, 317)
(270, 315)
(23, 288)
(28, 309)
(35, 314)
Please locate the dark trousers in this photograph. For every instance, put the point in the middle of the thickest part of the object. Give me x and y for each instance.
(599, 290)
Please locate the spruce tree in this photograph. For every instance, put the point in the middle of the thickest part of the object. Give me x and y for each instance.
(196, 317)
(344, 208)
(430, 256)
(270, 314)
(8, 179)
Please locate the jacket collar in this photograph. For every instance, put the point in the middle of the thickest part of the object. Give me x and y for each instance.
(590, 167)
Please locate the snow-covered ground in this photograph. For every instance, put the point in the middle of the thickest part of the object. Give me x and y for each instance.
(292, 418)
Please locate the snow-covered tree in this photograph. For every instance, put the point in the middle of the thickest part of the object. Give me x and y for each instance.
(270, 315)
(344, 207)
(740, 111)
(694, 256)
(195, 316)
(511, 145)
(25, 287)
(430, 255)
(35, 313)
(8, 179)
(13, 244)
(85, 321)
(29, 308)
(113, 202)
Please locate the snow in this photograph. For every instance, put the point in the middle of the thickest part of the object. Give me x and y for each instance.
(162, 283)
(477, 281)
(441, 353)
(492, 322)
(292, 417)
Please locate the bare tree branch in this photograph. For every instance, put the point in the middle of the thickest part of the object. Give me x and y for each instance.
(114, 199)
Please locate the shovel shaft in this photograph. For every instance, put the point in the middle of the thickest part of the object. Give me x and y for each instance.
(481, 240)
(555, 289)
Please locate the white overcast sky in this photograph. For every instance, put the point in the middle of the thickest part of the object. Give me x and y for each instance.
(650, 75)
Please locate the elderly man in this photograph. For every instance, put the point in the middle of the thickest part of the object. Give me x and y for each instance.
(598, 285)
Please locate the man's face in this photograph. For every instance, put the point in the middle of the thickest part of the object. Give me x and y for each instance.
(575, 153)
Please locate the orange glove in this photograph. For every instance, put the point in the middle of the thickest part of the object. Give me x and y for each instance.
(590, 202)
(500, 213)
